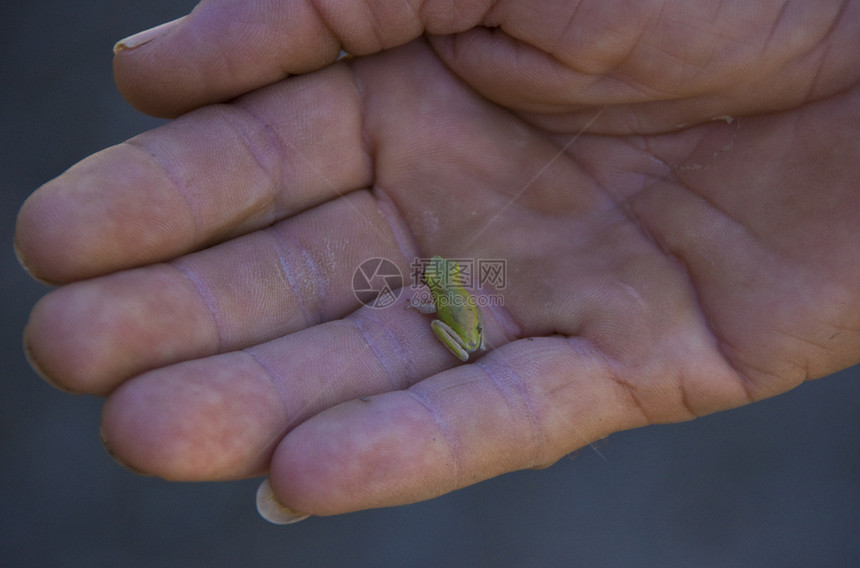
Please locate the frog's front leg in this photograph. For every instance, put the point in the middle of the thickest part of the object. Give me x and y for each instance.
(450, 339)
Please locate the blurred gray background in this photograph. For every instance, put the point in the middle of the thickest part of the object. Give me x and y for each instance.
(773, 484)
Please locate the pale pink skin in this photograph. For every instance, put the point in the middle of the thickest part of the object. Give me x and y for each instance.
(663, 264)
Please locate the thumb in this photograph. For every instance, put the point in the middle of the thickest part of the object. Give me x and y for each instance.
(225, 48)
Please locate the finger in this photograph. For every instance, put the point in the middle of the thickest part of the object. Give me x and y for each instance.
(213, 174)
(221, 417)
(92, 335)
(650, 66)
(452, 430)
(524, 405)
(226, 48)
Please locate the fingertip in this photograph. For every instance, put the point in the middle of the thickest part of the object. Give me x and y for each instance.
(106, 444)
(146, 36)
(35, 242)
(49, 345)
(218, 53)
(152, 89)
(88, 337)
(141, 82)
(33, 360)
(113, 210)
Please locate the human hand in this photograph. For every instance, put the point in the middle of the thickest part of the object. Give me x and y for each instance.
(655, 272)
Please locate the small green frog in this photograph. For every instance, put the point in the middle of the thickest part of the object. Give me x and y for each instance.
(459, 324)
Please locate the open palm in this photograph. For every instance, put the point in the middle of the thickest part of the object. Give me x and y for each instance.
(678, 239)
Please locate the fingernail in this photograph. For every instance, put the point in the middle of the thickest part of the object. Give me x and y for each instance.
(146, 36)
(271, 510)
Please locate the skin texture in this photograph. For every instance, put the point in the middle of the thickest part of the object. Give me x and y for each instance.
(673, 186)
